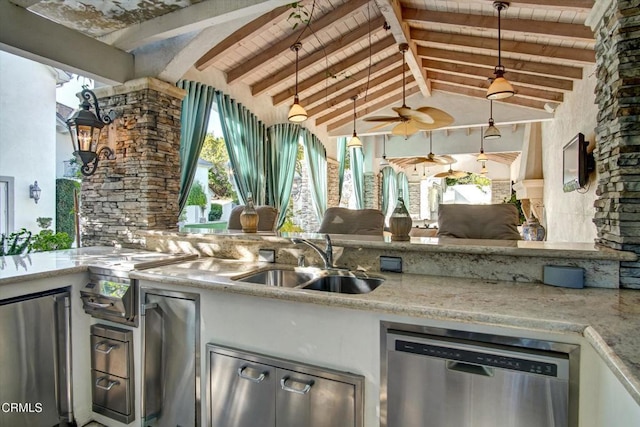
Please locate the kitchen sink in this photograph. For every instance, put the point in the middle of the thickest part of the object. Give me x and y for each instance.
(311, 278)
(344, 284)
(278, 277)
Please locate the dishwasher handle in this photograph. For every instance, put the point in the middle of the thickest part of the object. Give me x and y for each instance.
(469, 368)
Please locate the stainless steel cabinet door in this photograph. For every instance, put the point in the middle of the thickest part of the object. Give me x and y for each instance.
(170, 345)
(422, 392)
(33, 376)
(241, 393)
(310, 401)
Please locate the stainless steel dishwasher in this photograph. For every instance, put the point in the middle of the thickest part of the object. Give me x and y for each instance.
(435, 377)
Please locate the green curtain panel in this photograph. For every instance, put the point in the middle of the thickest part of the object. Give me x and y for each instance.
(389, 196)
(245, 138)
(357, 174)
(194, 120)
(283, 150)
(315, 157)
(341, 154)
(403, 188)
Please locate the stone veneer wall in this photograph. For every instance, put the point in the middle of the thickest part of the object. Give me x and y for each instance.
(617, 153)
(414, 199)
(139, 189)
(333, 198)
(371, 190)
(500, 190)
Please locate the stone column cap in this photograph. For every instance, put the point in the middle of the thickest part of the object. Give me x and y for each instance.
(138, 85)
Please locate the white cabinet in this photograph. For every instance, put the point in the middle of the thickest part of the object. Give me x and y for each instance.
(245, 390)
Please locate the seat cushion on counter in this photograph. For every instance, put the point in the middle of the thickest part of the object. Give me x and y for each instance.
(368, 222)
(495, 222)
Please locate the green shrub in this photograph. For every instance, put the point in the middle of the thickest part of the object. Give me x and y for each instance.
(65, 216)
(215, 213)
(15, 243)
(47, 240)
(197, 196)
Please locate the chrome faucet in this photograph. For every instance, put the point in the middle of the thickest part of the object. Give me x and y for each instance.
(326, 254)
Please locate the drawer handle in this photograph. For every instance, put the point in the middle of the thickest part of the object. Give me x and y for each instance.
(97, 304)
(257, 379)
(285, 387)
(109, 385)
(109, 347)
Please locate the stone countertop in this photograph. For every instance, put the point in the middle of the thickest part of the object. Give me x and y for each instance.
(608, 318)
(39, 265)
(580, 250)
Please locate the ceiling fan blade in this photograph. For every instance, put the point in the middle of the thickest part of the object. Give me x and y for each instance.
(439, 118)
(382, 119)
(420, 116)
(381, 125)
(405, 129)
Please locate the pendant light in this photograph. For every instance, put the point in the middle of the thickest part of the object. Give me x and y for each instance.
(384, 161)
(424, 171)
(354, 142)
(482, 157)
(492, 131)
(484, 170)
(297, 113)
(415, 170)
(500, 88)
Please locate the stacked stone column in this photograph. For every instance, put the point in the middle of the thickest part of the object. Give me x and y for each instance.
(138, 190)
(616, 24)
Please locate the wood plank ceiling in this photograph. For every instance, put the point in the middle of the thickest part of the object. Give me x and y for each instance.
(350, 48)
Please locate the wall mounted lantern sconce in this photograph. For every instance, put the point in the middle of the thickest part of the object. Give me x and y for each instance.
(84, 128)
(34, 191)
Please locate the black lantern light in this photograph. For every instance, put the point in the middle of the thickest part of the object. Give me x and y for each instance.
(84, 127)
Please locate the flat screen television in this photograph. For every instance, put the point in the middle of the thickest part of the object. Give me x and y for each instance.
(576, 164)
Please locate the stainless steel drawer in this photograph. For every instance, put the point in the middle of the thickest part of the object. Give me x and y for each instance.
(111, 393)
(110, 356)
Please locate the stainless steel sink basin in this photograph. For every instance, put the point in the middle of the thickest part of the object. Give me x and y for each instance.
(278, 277)
(345, 284)
(312, 278)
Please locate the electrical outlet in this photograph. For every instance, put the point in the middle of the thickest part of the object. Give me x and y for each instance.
(391, 263)
(266, 255)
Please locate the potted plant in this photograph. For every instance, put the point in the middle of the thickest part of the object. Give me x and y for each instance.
(197, 197)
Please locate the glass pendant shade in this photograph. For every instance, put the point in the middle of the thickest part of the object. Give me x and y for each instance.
(297, 113)
(500, 87)
(492, 132)
(354, 142)
(482, 157)
(384, 161)
(484, 170)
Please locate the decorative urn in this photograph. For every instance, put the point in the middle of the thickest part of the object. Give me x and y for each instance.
(532, 230)
(249, 216)
(400, 222)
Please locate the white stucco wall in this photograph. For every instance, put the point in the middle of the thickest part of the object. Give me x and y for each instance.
(569, 215)
(28, 136)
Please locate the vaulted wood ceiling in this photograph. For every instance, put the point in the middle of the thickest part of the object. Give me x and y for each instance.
(350, 48)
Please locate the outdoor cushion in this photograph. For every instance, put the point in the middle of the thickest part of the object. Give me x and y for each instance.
(352, 221)
(498, 221)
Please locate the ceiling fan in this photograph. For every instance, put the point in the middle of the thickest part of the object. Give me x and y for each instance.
(411, 120)
(440, 160)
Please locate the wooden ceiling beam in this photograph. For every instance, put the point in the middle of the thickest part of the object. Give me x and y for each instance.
(373, 108)
(340, 13)
(345, 83)
(557, 4)
(481, 93)
(550, 29)
(563, 71)
(362, 55)
(348, 108)
(534, 49)
(221, 48)
(527, 92)
(513, 77)
(394, 74)
(341, 43)
(392, 11)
